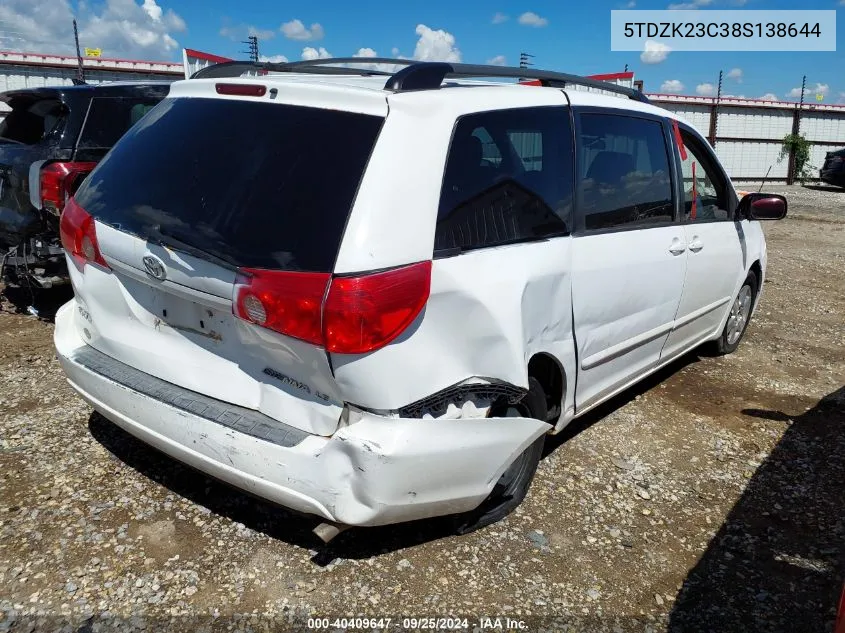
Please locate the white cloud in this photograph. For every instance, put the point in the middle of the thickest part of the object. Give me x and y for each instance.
(694, 4)
(529, 18)
(498, 18)
(241, 31)
(842, 94)
(436, 45)
(498, 60)
(736, 75)
(296, 30)
(309, 53)
(822, 89)
(770, 96)
(654, 52)
(630, 4)
(394, 51)
(273, 59)
(153, 10)
(705, 90)
(365, 52)
(671, 85)
(262, 34)
(139, 29)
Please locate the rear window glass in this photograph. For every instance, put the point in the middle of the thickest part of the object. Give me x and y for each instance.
(259, 185)
(109, 119)
(33, 120)
(508, 178)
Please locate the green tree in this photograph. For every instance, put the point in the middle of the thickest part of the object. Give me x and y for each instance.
(800, 147)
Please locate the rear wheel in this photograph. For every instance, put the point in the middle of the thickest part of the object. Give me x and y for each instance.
(738, 317)
(513, 484)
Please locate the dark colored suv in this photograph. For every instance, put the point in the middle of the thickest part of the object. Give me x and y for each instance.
(49, 141)
(833, 170)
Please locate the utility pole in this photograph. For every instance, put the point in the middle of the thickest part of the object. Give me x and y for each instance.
(80, 70)
(714, 113)
(252, 42)
(796, 130)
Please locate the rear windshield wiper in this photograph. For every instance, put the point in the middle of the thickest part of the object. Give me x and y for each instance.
(164, 237)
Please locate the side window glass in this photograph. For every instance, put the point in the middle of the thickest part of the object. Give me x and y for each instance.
(110, 118)
(624, 176)
(508, 178)
(704, 188)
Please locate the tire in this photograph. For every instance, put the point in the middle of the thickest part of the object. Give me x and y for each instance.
(741, 307)
(513, 485)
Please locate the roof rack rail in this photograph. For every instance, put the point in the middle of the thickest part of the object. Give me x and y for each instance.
(417, 75)
(238, 68)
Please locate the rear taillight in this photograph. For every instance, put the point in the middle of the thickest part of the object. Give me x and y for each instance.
(839, 627)
(287, 302)
(365, 313)
(59, 181)
(346, 315)
(79, 235)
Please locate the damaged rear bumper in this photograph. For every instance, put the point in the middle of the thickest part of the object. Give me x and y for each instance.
(375, 471)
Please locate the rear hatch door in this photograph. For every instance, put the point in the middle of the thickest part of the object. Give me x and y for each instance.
(198, 190)
(30, 132)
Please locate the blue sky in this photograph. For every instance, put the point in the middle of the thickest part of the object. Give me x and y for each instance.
(573, 36)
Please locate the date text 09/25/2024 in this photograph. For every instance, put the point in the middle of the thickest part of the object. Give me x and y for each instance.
(419, 624)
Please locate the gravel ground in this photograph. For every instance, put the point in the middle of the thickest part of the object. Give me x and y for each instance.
(708, 498)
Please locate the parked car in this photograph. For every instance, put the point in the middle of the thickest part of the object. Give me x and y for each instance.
(371, 298)
(833, 170)
(49, 141)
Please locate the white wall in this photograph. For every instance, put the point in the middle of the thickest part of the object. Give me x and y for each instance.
(760, 122)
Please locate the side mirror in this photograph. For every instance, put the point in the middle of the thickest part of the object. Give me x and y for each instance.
(762, 206)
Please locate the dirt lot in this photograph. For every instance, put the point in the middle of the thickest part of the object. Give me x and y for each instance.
(709, 498)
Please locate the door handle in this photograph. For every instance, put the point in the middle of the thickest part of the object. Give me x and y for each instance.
(677, 247)
(696, 245)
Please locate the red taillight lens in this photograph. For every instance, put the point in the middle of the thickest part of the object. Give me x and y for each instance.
(241, 90)
(365, 313)
(839, 627)
(59, 181)
(359, 314)
(287, 302)
(79, 235)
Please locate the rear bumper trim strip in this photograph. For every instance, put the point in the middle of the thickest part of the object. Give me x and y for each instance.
(240, 419)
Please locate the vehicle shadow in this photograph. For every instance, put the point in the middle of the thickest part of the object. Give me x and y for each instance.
(256, 513)
(42, 303)
(296, 529)
(830, 188)
(778, 561)
(618, 401)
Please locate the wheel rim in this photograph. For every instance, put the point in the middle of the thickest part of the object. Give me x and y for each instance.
(513, 471)
(738, 318)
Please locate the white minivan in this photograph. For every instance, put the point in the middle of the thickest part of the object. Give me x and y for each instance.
(369, 295)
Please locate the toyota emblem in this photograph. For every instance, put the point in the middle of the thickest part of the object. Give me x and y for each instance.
(155, 267)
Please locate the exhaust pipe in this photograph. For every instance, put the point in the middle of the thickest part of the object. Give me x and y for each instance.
(327, 531)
